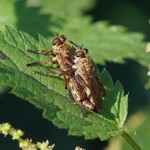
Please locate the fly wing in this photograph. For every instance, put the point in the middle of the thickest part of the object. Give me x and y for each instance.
(96, 96)
(77, 90)
(80, 80)
(98, 78)
(96, 70)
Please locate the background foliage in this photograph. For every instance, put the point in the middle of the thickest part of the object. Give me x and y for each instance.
(82, 22)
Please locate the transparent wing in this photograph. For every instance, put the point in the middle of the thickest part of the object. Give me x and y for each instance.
(96, 70)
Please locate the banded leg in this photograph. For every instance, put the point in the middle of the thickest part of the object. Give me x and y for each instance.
(66, 82)
(74, 44)
(69, 95)
(38, 64)
(78, 47)
(43, 52)
(50, 73)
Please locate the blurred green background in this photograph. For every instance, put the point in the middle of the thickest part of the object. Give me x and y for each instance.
(37, 16)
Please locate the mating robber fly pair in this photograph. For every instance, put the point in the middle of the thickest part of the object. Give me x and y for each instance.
(78, 70)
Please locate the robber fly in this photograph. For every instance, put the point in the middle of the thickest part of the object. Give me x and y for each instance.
(63, 57)
(86, 76)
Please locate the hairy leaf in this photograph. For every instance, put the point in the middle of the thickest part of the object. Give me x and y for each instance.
(111, 43)
(48, 93)
(106, 42)
(7, 14)
(65, 7)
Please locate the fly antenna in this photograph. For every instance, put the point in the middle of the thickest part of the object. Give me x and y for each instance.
(57, 33)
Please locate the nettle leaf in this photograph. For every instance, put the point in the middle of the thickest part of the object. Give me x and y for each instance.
(48, 93)
(7, 14)
(106, 42)
(111, 43)
(65, 7)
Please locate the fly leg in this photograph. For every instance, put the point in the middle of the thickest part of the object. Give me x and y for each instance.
(43, 52)
(69, 95)
(74, 44)
(66, 81)
(38, 64)
(53, 74)
(50, 73)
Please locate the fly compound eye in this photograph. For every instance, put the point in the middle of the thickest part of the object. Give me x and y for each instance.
(56, 41)
(62, 38)
(85, 50)
(79, 53)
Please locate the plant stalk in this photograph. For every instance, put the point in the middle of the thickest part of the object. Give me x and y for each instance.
(128, 138)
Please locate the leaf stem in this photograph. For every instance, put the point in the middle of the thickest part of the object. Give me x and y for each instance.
(128, 138)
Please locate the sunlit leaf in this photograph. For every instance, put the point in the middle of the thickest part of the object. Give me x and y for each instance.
(48, 93)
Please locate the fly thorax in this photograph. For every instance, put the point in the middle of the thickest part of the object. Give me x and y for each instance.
(74, 66)
(76, 59)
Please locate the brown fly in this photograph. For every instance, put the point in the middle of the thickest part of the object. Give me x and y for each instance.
(78, 75)
(86, 76)
(62, 56)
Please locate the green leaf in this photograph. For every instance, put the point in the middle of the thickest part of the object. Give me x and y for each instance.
(106, 42)
(115, 103)
(111, 43)
(7, 13)
(106, 79)
(48, 93)
(40, 16)
(66, 8)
